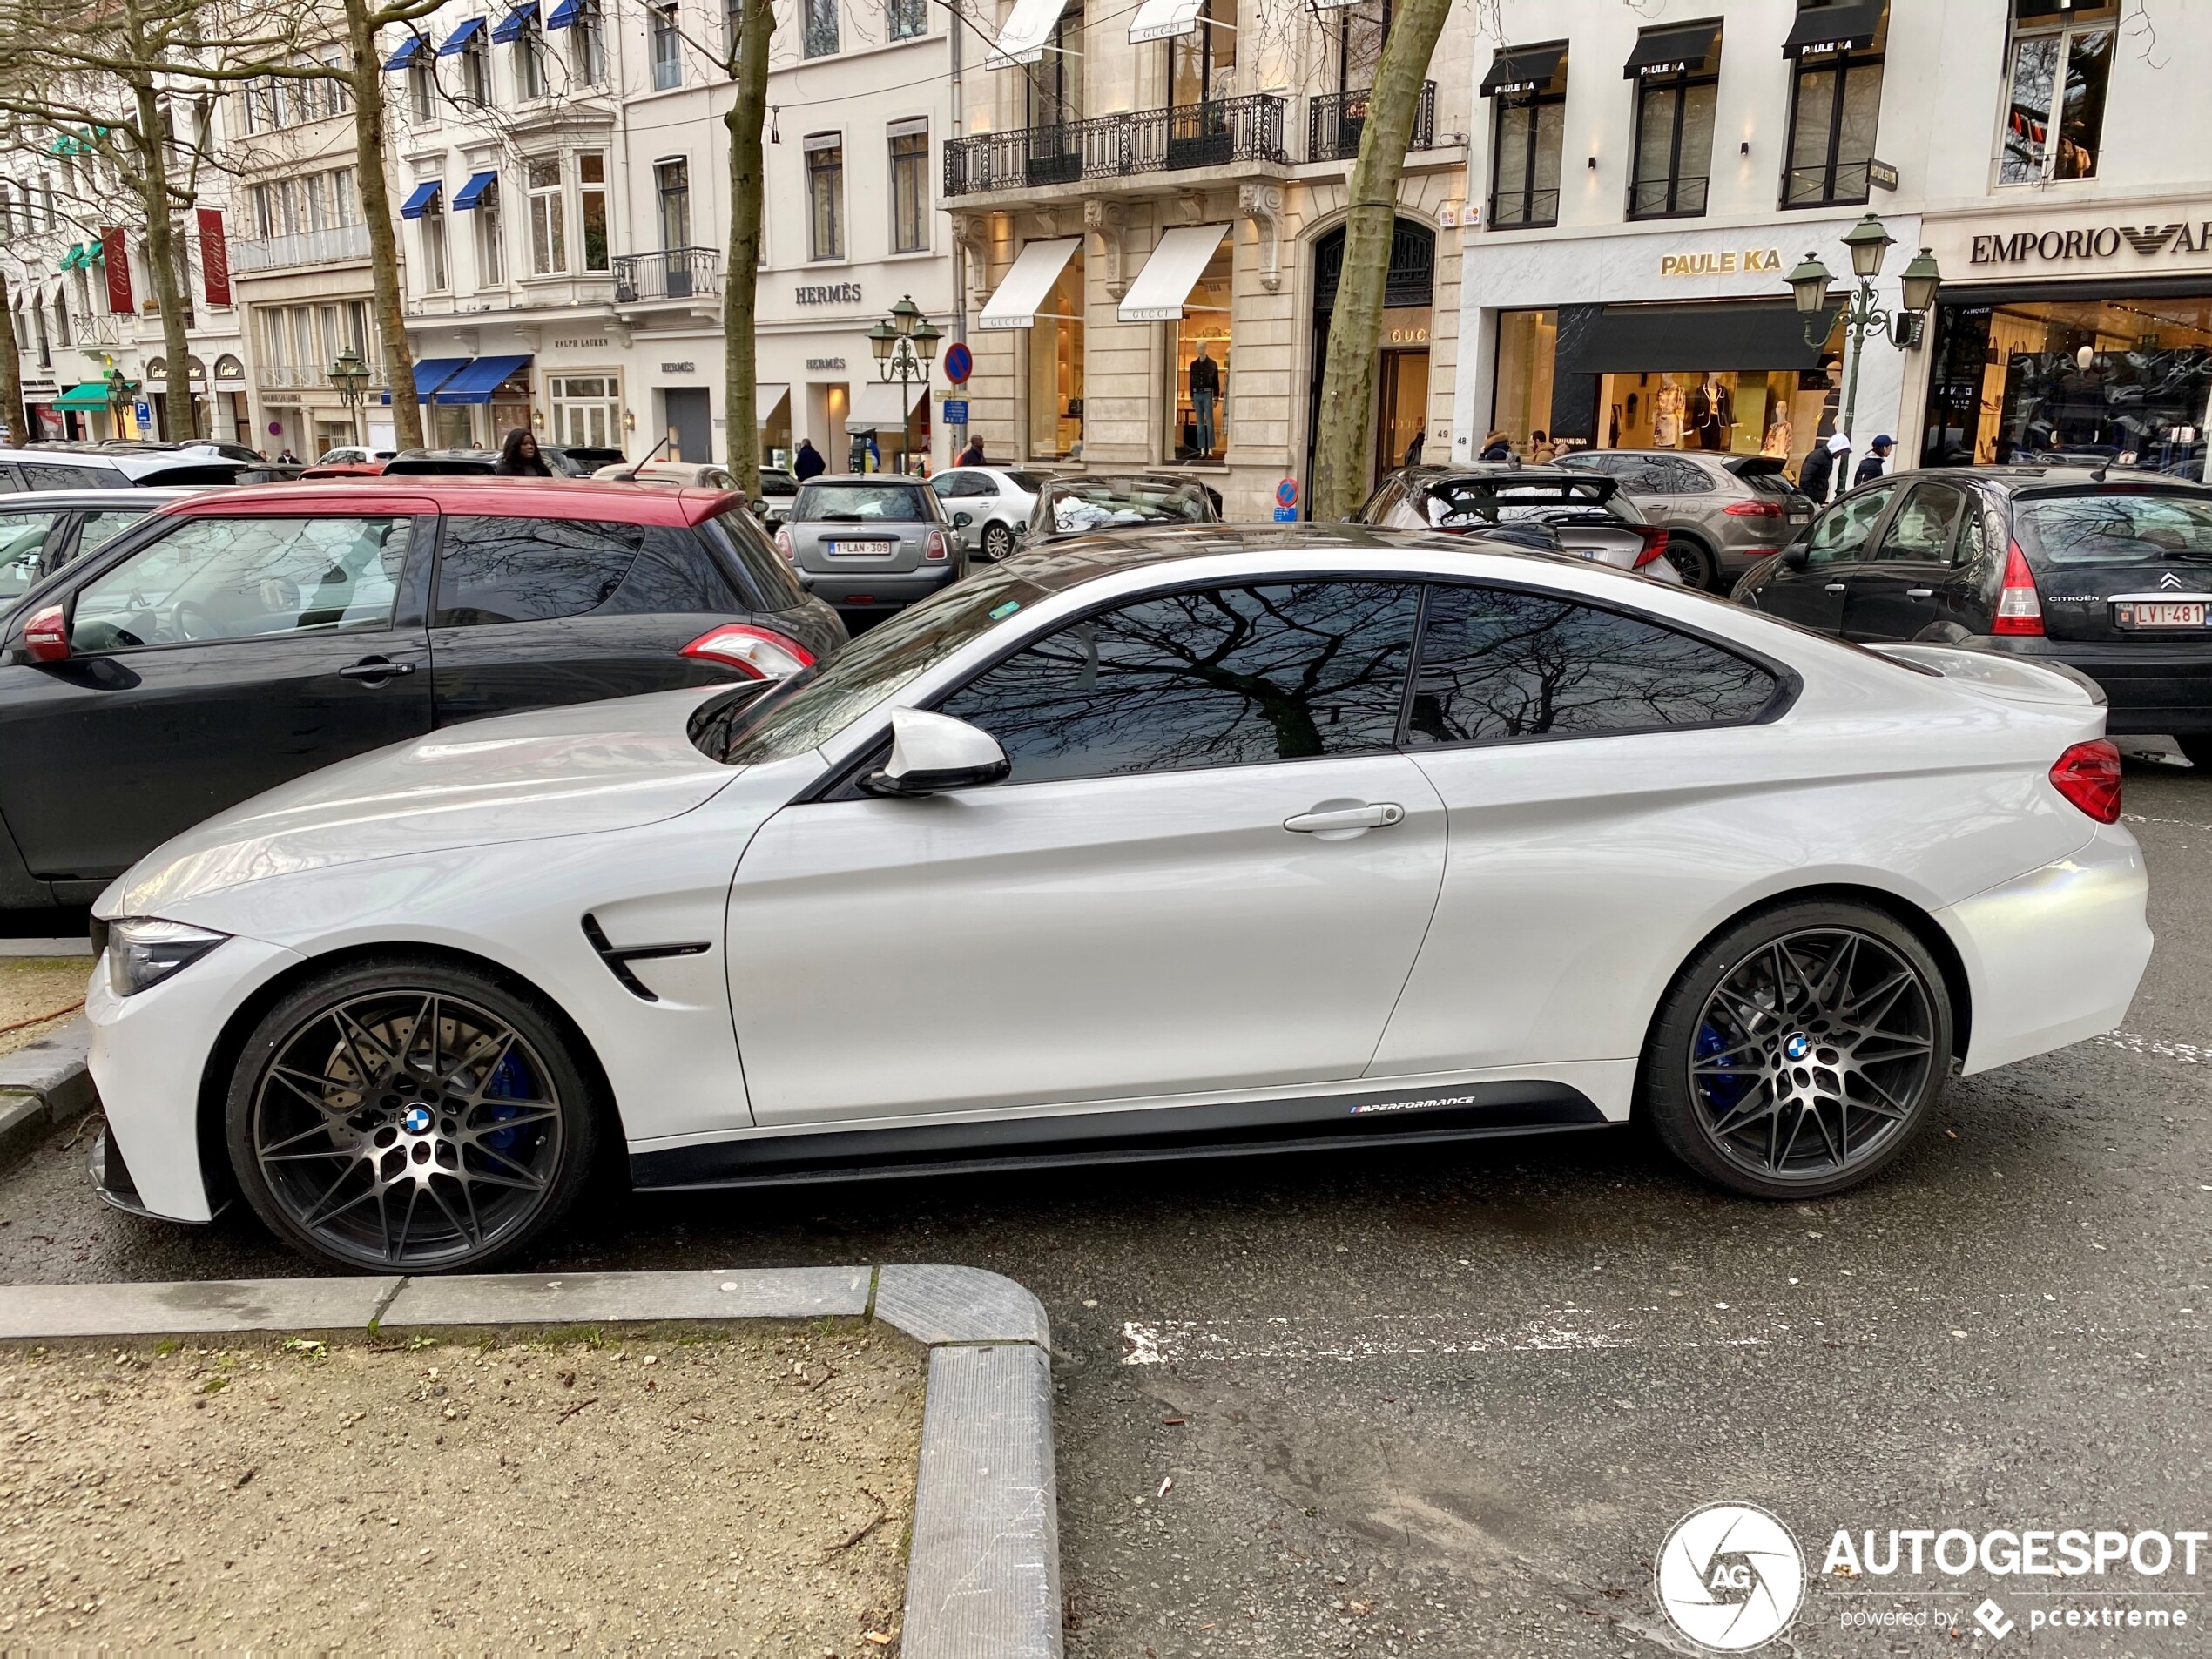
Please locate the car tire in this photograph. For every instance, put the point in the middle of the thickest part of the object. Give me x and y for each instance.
(2198, 748)
(1699, 569)
(998, 543)
(410, 1114)
(1817, 1100)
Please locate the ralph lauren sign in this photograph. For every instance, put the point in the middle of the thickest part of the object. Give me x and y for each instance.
(2098, 242)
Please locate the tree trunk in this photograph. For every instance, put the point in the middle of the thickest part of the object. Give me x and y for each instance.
(178, 419)
(1340, 481)
(740, 279)
(366, 83)
(11, 411)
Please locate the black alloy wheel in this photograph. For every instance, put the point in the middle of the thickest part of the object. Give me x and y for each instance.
(1800, 1052)
(409, 1117)
(1697, 567)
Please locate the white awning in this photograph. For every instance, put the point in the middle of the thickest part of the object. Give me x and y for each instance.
(1161, 287)
(1022, 289)
(766, 395)
(1157, 19)
(1022, 39)
(877, 406)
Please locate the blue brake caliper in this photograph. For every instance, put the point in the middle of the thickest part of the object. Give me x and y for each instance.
(510, 1079)
(1722, 1092)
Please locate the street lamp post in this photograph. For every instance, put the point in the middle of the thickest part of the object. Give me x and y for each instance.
(905, 344)
(120, 390)
(350, 376)
(1868, 241)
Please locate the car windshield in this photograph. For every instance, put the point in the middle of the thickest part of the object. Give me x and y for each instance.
(871, 502)
(2115, 527)
(1108, 504)
(811, 707)
(1030, 482)
(1461, 503)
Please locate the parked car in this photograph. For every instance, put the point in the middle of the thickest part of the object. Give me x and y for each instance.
(40, 533)
(1723, 513)
(1547, 509)
(465, 463)
(1206, 876)
(778, 489)
(55, 466)
(685, 474)
(354, 455)
(989, 505)
(1081, 503)
(344, 469)
(870, 542)
(255, 468)
(234, 640)
(2112, 577)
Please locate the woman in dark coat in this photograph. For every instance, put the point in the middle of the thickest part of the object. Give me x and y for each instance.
(518, 456)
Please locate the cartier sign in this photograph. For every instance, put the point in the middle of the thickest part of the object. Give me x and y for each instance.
(2091, 242)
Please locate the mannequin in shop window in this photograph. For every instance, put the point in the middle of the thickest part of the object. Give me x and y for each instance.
(1205, 391)
(1776, 442)
(1666, 416)
(1711, 415)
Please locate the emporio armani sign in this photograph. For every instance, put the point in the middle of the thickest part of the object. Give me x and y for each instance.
(2093, 242)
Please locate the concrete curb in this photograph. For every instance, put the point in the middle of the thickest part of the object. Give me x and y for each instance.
(41, 1085)
(983, 1575)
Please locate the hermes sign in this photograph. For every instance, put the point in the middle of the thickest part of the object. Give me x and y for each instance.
(1751, 261)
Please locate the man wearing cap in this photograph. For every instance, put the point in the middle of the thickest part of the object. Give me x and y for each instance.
(1878, 455)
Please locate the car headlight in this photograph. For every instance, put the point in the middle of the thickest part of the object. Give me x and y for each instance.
(143, 951)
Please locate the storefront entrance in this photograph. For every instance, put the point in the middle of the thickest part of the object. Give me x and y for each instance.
(1401, 411)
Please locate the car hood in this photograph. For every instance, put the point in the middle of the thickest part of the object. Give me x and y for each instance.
(576, 771)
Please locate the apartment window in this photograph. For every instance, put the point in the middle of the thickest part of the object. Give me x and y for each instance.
(909, 186)
(819, 36)
(1360, 31)
(668, 49)
(1052, 90)
(476, 70)
(1835, 102)
(265, 221)
(2062, 62)
(1528, 87)
(588, 43)
(345, 208)
(549, 221)
(530, 60)
(491, 252)
(826, 196)
(1674, 93)
(420, 86)
(908, 19)
(592, 174)
(1202, 66)
(673, 192)
(434, 248)
(341, 94)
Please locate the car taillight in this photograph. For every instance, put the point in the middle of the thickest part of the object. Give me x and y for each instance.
(1753, 510)
(1655, 543)
(935, 547)
(45, 637)
(2019, 608)
(2088, 775)
(783, 544)
(761, 652)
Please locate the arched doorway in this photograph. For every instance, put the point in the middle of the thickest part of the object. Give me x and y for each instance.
(1401, 373)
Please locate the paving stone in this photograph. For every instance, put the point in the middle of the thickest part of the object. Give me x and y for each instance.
(589, 1299)
(190, 1307)
(937, 1303)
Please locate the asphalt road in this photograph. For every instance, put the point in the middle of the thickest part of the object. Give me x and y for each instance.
(1450, 1402)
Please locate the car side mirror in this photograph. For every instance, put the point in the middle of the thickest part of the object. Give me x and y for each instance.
(931, 753)
(45, 637)
(1798, 555)
(962, 521)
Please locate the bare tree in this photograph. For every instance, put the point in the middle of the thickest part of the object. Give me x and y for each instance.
(11, 408)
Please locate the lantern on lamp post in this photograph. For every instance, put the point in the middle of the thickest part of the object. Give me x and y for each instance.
(1869, 241)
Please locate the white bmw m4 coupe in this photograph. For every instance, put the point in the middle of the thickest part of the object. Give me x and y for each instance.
(1207, 840)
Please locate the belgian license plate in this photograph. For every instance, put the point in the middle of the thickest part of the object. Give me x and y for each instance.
(858, 549)
(2159, 613)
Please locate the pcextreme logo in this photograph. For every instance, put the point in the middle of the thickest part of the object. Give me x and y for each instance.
(1730, 1577)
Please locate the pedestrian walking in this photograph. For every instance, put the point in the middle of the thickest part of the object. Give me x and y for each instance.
(808, 463)
(1496, 446)
(1876, 461)
(973, 455)
(1413, 450)
(1816, 478)
(518, 456)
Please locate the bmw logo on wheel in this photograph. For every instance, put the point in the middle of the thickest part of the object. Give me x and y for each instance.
(1796, 1045)
(417, 1121)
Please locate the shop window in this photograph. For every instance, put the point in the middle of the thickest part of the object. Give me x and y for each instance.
(1055, 369)
(1527, 127)
(591, 197)
(1521, 401)
(1674, 153)
(1199, 390)
(825, 197)
(1052, 91)
(910, 187)
(2060, 62)
(1835, 104)
(548, 218)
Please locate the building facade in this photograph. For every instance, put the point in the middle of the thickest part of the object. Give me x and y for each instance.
(1148, 205)
(1649, 177)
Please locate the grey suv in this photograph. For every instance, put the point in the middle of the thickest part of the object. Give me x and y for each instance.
(870, 541)
(1723, 513)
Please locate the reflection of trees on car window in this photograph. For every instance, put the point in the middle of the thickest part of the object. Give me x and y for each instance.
(1219, 678)
(1499, 665)
(22, 540)
(530, 570)
(2117, 528)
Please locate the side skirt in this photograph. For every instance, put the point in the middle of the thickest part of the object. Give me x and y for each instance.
(1304, 1123)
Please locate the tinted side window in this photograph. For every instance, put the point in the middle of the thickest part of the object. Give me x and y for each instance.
(530, 570)
(1685, 478)
(674, 571)
(47, 474)
(1223, 677)
(1497, 664)
(1839, 535)
(1919, 531)
(765, 572)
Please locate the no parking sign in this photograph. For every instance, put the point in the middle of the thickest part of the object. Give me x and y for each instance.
(1286, 501)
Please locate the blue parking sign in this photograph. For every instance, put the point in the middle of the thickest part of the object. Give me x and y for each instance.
(955, 411)
(1286, 515)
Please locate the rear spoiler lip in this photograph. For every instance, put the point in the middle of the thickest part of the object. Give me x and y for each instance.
(2013, 683)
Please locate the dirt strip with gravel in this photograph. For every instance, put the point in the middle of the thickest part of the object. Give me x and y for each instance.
(32, 987)
(745, 1490)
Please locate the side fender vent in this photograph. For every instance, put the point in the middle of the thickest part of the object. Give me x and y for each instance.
(619, 957)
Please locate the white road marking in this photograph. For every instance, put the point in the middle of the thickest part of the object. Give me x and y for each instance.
(2136, 1042)
(1565, 1329)
(2177, 823)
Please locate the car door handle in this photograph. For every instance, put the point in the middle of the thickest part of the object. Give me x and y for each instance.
(1378, 815)
(375, 669)
(1919, 593)
(1834, 587)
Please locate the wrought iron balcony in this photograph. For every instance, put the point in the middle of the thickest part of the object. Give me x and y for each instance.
(1214, 133)
(1676, 198)
(672, 273)
(1335, 120)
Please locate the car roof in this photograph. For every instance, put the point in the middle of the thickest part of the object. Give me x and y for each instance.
(615, 501)
(1085, 555)
(130, 463)
(62, 500)
(2015, 479)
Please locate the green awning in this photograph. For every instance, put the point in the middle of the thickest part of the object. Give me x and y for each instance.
(93, 394)
(74, 258)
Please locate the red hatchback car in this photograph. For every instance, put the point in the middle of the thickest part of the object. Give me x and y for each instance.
(234, 640)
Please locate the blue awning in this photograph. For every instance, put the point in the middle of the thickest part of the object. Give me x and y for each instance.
(562, 15)
(418, 203)
(472, 193)
(432, 373)
(474, 384)
(459, 40)
(511, 26)
(406, 53)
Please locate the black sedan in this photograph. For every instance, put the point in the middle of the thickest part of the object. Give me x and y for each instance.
(2110, 577)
